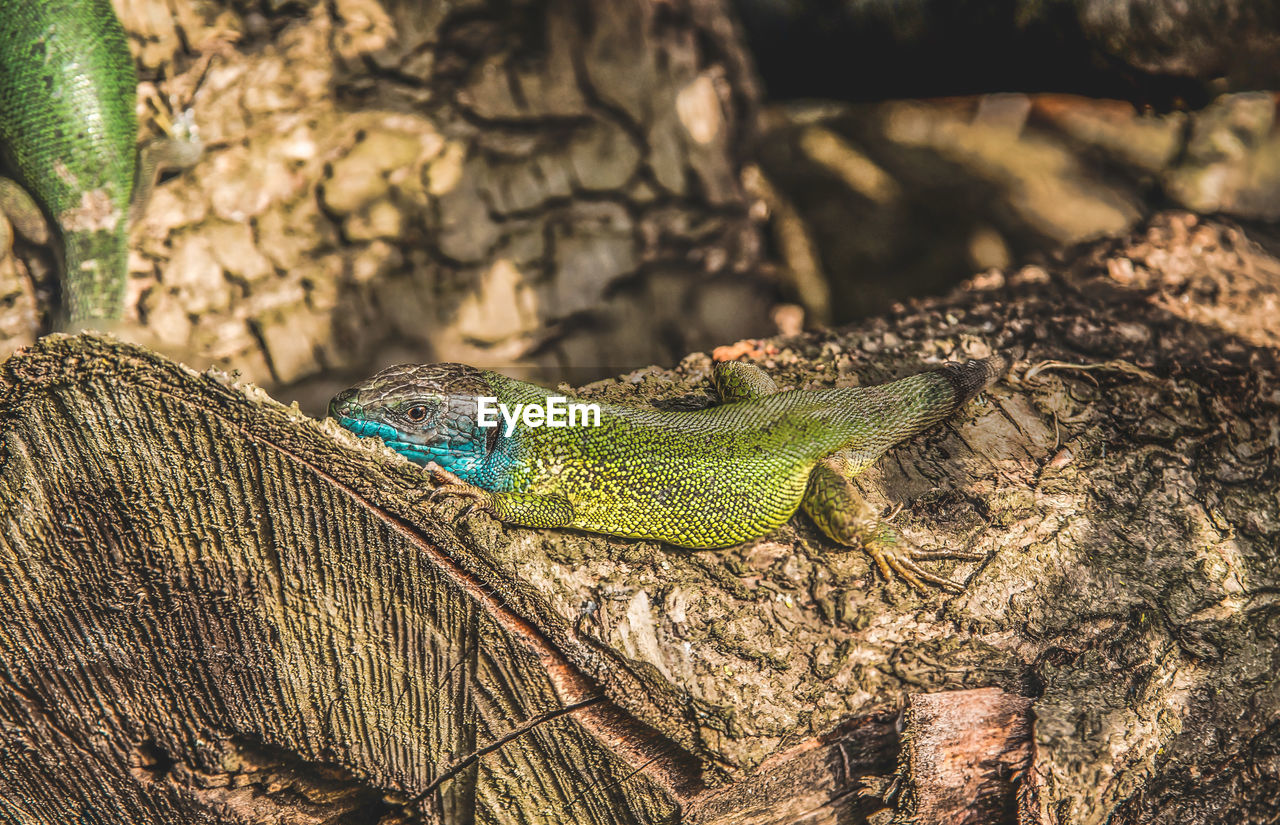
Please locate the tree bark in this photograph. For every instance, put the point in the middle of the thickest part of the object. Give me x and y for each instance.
(993, 180)
(219, 610)
(544, 184)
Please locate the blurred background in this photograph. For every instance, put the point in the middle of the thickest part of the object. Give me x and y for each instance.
(571, 191)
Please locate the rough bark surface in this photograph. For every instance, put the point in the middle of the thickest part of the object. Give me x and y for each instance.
(992, 180)
(549, 184)
(218, 610)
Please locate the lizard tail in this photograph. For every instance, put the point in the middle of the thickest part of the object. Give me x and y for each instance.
(970, 378)
(97, 267)
(870, 420)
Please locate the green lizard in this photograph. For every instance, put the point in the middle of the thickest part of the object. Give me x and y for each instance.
(699, 479)
(68, 135)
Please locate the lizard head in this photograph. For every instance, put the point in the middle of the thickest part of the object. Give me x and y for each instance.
(425, 412)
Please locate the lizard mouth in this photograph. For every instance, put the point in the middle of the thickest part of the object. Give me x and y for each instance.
(404, 444)
(351, 415)
(365, 428)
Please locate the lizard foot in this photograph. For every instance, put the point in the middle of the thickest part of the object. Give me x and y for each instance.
(440, 477)
(894, 559)
(448, 484)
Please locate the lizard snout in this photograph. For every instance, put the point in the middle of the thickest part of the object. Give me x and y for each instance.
(343, 404)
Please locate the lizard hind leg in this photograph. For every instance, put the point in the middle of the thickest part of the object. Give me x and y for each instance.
(841, 512)
(740, 381)
(832, 501)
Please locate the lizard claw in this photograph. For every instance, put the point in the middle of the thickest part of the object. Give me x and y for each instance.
(448, 484)
(940, 555)
(893, 561)
(441, 477)
(897, 557)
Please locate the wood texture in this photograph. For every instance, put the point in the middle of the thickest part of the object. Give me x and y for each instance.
(962, 751)
(544, 184)
(190, 598)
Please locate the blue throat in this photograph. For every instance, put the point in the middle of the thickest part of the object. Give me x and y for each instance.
(465, 458)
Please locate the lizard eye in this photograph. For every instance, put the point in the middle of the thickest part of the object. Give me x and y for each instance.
(417, 413)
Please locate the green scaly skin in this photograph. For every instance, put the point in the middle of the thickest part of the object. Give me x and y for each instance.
(68, 134)
(701, 479)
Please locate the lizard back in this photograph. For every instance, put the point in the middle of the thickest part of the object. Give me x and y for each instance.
(713, 477)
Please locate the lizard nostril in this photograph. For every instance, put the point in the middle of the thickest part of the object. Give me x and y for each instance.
(341, 404)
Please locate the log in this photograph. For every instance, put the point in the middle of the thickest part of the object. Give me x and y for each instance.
(220, 610)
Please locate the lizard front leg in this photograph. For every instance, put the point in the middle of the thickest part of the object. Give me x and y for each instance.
(523, 509)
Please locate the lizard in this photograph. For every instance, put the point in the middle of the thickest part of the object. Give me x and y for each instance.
(68, 137)
(705, 478)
